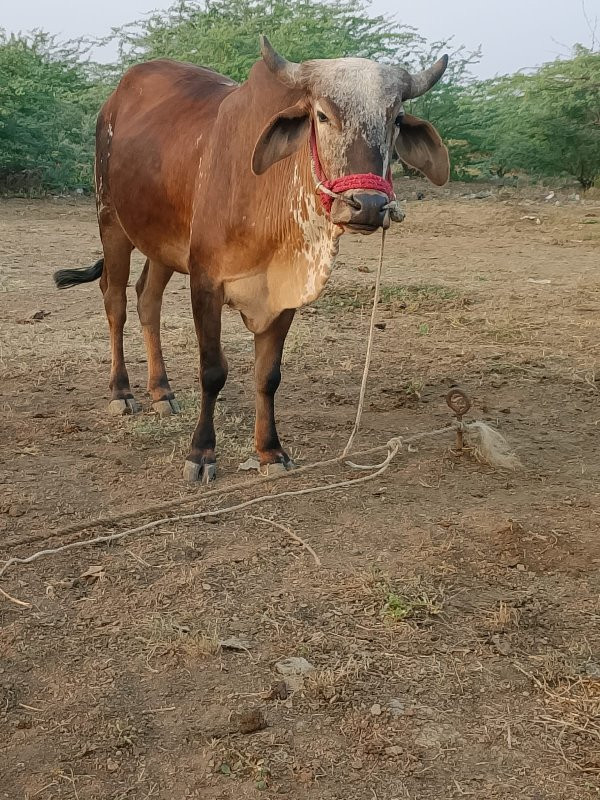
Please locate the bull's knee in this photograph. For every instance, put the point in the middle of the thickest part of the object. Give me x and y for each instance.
(115, 305)
(213, 378)
(148, 312)
(270, 382)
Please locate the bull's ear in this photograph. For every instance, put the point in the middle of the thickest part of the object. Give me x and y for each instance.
(282, 136)
(420, 146)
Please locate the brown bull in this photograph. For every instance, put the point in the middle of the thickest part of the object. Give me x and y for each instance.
(219, 180)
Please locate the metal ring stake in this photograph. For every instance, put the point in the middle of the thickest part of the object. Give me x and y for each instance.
(459, 402)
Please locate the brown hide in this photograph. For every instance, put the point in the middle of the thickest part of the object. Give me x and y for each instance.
(175, 145)
(151, 133)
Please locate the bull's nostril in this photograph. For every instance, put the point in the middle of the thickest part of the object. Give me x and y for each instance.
(353, 202)
(363, 210)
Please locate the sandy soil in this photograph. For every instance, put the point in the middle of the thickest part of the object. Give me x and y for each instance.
(453, 622)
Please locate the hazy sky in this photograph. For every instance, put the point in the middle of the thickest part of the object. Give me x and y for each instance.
(512, 33)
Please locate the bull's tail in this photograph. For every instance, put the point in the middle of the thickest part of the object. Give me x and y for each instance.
(65, 278)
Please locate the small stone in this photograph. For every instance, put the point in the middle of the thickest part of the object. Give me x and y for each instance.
(111, 765)
(394, 750)
(356, 764)
(375, 710)
(592, 669)
(521, 567)
(238, 643)
(397, 708)
(279, 691)
(252, 721)
(295, 665)
(501, 645)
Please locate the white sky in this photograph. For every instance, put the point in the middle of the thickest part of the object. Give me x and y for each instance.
(512, 33)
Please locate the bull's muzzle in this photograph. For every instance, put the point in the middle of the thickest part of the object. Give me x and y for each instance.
(361, 211)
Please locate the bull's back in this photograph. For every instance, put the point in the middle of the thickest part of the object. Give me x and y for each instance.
(151, 135)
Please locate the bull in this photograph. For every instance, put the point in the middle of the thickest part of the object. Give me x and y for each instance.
(247, 188)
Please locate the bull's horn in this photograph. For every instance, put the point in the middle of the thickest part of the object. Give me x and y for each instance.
(287, 72)
(423, 81)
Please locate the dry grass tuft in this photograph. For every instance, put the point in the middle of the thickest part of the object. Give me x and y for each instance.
(571, 713)
(164, 636)
(333, 682)
(503, 618)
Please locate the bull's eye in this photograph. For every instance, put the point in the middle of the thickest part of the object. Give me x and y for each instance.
(322, 117)
(399, 120)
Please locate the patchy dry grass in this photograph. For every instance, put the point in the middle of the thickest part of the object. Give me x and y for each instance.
(174, 433)
(415, 604)
(571, 714)
(502, 619)
(332, 682)
(393, 298)
(455, 655)
(162, 635)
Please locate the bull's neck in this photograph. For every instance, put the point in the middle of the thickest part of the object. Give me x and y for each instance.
(281, 197)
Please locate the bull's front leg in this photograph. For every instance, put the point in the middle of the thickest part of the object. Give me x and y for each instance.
(268, 350)
(207, 304)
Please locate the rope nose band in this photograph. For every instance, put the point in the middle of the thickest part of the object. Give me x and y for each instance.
(329, 190)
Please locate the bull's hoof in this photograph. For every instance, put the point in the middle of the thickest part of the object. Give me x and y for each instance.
(199, 473)
(166, 408)
(278, 468)
(124, 406)
(284, 464)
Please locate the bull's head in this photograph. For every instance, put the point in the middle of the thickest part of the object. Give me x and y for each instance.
(355, 108)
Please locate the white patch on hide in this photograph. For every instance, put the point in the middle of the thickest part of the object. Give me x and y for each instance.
(314, 262)
(297, 273)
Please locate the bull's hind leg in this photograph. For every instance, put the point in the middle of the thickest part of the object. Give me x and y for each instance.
(150, 288)
(268, 350)
(113, 283)
(207, 303)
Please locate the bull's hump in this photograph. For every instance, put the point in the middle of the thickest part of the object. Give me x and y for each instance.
(177, 70)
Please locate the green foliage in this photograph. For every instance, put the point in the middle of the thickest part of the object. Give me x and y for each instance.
(224, 33)
(548, 122)
(544, 123)
(47, 108)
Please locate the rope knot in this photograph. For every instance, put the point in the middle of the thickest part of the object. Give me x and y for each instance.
(395, 443)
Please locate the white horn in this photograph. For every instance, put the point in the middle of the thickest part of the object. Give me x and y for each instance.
(287, 72)
(423, 81)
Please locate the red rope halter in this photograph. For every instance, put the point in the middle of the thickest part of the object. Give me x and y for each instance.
(346, 182)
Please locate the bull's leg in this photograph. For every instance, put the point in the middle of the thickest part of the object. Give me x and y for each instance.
(113, 284)
(268, 349)
(150, 288)
(207, 303)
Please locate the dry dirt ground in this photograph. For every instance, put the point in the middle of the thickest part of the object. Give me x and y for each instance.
(454, 620)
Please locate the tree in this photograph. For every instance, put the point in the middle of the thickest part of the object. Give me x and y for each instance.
(545, 123)
(47, 105)
(447, 104)
(549, 121)
(223, 34)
